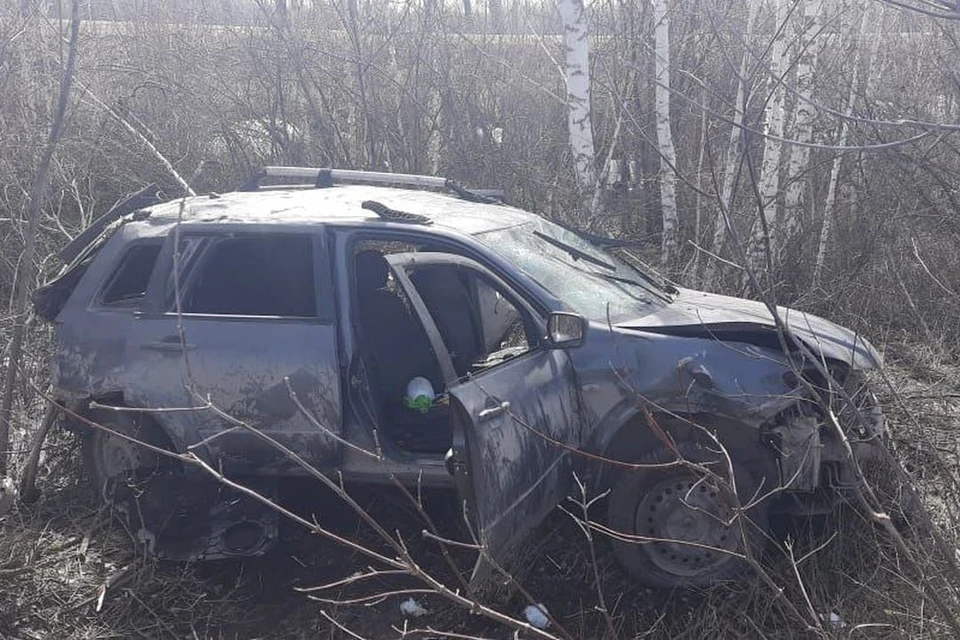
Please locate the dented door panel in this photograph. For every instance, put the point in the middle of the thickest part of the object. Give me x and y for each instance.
(91, 339)
(242, 366)
(518, 421)
(515, 423)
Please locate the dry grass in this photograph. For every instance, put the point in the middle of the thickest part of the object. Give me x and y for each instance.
(65, 571)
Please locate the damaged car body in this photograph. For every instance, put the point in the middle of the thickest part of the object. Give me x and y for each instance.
(280, 326)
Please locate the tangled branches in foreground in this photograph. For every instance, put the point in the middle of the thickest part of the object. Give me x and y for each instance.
(66, 572)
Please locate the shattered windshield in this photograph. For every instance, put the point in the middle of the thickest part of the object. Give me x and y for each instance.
(595, 283)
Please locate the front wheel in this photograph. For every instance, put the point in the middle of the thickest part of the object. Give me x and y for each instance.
(683, 528)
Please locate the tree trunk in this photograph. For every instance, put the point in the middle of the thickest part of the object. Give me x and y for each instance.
(26, 277)
(365, 128)
(495, 11)
(803, 120)
(698, 205)
(828, 214)
(668, 157)
(577, 71)
(434, 123)
(774, 116)
(281, 14)
(735, 146)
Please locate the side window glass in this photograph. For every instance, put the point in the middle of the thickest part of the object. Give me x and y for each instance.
(479, 324)
(127, 284)
(190, 249)
(502, 323)
(262, 275)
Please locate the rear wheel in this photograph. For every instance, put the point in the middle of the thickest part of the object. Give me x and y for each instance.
(143, 487)
(685, 524)
(172, 513)
(112, 460)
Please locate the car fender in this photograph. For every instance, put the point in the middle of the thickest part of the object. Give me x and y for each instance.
(690, 386)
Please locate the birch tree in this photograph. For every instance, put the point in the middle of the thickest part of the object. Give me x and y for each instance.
(577, 70)
(495, 15)
(809, 45)
(826, 228)
(735, 146)
(668, 156)
(773, 126)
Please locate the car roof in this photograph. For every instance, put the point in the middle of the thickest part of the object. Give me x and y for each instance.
(337, 205)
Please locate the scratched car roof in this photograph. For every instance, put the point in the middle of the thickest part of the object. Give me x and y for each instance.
(337, 205)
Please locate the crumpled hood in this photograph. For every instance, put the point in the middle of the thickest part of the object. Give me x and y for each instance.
(713, 312)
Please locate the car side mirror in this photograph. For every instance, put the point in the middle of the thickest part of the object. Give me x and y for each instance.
(566, 330)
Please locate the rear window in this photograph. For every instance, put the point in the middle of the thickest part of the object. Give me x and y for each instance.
(127, 284)
(263, 275)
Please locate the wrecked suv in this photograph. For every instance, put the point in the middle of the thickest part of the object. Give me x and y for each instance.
(282, 325)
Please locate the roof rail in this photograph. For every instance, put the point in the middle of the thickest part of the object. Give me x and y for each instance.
(325, 177)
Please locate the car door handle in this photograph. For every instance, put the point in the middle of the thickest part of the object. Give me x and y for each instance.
(169, 344)
(493, 410)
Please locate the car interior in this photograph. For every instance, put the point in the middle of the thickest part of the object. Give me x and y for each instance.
(478, 325)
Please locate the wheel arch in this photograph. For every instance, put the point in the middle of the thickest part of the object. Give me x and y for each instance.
(633, 436)
(163, 435)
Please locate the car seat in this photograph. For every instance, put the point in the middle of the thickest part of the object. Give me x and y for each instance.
(395, 347)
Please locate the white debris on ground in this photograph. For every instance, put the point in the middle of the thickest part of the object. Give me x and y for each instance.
(537, 616)
(411, 607)
(834, 620)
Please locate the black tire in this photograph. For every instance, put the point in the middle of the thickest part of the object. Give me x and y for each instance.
(677, 503)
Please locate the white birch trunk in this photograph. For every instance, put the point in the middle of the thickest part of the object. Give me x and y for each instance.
(828, 215)
(579, 124)
(735, 147)
(803, 120)
(698, 206)
(773, 125)
(434, 143)
(668, 156)
(827, 227)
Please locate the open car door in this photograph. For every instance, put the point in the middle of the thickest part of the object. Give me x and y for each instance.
(514, 406)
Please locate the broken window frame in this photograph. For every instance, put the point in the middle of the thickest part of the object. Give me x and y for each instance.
(534, 323)
(475, 279)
